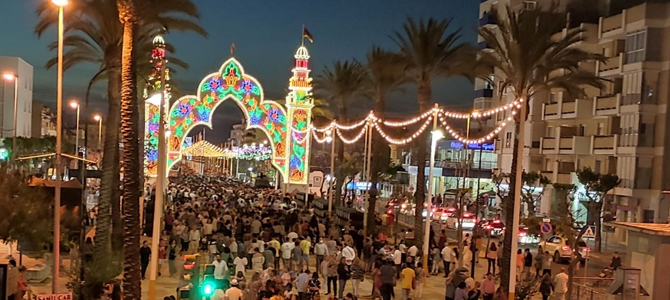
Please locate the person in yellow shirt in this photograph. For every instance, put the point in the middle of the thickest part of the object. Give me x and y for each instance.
(305, 245)
(274, 244)
(407, 277)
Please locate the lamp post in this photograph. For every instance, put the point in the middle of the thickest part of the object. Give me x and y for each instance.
(15, 78)
(332, 173)
(98, 118)
(59, 139)
(435, 135)
(76, 106)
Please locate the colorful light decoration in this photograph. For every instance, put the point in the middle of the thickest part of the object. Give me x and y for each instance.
(151, 112)
(287, 129)
(254, 152)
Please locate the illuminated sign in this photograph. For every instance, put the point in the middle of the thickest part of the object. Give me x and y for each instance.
(485, 146)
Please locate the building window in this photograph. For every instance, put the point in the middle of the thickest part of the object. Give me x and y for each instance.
(550, 131)
(553, 98)
(597, 166)
(635, 46)
(601, 128)
(529, 5)
(508, 140)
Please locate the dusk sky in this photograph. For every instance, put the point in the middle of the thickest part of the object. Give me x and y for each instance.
(266, 35)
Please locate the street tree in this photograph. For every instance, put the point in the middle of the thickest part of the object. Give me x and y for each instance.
(596, 187)
(524, 50)
(430, 49)
(93, 34)
(386, 76)
(341, 86)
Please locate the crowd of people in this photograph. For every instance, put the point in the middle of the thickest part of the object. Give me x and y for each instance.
(263, 244)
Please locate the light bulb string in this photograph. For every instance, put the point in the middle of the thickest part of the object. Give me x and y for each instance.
(355, 139)
(406, 140)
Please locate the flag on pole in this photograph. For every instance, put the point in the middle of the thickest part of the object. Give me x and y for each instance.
(307, 35)
(232, 49)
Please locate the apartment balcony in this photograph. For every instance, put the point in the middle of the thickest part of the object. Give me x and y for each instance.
(612, 66)
(560, 177)
(607, 105)
(612, 26)
(484, 93)
(565, 145)
(487, 19)
(482, 103)
(567, 110)
(604, 144)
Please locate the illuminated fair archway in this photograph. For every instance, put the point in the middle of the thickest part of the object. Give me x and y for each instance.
(287, 129)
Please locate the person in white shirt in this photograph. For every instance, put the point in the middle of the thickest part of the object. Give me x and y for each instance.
(397, 260)
(321, 251)
(292, 236)
(349, 254)
(447, 255)
(413, 251)
(233, 247)
(220, 268)
(194, 241)
(240, 263)
(560, 285)
(286, 249)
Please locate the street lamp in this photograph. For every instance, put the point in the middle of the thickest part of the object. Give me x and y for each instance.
(59, 139)
(15, 78)
(331, 190)
(76, 106)
(98, 118)
(436, 135)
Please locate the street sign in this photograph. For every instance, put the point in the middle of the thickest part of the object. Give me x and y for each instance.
(590, 232)
(67, 296)
(546, 228)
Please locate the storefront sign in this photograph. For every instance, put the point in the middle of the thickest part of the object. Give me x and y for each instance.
(484, 146)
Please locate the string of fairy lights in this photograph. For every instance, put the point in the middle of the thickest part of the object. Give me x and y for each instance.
(326, 134)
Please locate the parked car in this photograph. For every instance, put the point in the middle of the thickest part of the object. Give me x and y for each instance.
(561, 251)
(441, 214)
(494, 227)
(469, 220)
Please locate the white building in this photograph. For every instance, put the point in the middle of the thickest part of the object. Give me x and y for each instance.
(24, 71)
(237, 134)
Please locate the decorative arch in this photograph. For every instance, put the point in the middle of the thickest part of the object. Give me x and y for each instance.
(230, 82)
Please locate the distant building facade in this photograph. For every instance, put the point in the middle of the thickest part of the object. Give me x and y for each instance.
(24, 71)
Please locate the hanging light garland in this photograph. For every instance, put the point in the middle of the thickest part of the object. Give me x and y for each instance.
(355, 139)
(427, 117)
(405, 140)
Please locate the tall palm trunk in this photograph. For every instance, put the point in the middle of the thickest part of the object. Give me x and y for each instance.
(110, 162)
(131, 188)
(339, 176)
(508, 203)
(376, 162)
(424, 94)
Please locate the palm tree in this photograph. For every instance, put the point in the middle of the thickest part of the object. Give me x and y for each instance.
(386, 76)
(93, 34)
(428, 51)
(130, 159)
(340, 86)
(525, 51)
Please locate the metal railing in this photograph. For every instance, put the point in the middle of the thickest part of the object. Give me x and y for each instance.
(592, 288)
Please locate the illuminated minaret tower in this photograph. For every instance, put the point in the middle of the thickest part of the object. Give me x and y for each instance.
(299, 103)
